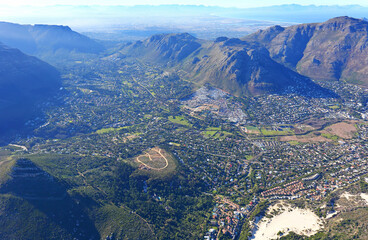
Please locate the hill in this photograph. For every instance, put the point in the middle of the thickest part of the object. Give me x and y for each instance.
(44, 39)
(233, 65)
(28, 181)
(333, 50)
(168, 49)
(36, 203)
(24, 80)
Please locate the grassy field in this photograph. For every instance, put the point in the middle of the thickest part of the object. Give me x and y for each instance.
(179, 120)
(175, 144)
(267, 132)
(209, 133)
(330, 136)
(334, 107)
(251, 128)
(294, 142)
(109, 130)
(216, 132)
(213, 129)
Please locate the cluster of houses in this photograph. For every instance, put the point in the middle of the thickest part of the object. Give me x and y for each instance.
(288, 190)
(227, 217)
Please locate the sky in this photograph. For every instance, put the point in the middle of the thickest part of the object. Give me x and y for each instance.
(222, 3)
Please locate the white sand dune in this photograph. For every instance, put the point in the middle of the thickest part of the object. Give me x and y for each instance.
(348, 196)
(300, 221)
(364, 196)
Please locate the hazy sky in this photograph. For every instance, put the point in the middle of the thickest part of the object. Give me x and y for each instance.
(224, 3)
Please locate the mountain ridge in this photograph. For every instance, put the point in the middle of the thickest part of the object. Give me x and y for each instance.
(236, 66)
(332, 50)
(40, 39)
(24, 81)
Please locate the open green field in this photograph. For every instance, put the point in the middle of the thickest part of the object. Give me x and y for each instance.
(175, 144)
(330, 136)
(179, 120)
(294, 142)
(109, 130)
(213, 129)
(210, 133)
(252, 128)
(267, 132)
(334, 107)
(216, 134)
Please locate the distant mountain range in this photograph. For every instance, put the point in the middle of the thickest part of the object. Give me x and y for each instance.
(233, 65)
(46, 39)
(285, 13)
(207, 22)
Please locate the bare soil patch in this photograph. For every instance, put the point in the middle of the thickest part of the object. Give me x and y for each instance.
(342, 129)
(305, 139)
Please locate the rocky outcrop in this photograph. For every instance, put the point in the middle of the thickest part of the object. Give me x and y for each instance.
(333, 50)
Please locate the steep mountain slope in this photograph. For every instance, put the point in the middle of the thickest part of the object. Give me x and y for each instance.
(35, 205)
(333, 50)
(43, 197)
(240, 68)
(165, 48)
(24, 80)
(230, 64)
(30, 182)
(40, 39)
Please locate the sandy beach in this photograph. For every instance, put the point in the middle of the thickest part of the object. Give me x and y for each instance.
(300, 221)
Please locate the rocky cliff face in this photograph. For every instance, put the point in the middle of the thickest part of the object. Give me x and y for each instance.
(244, 69)
(333, 50)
